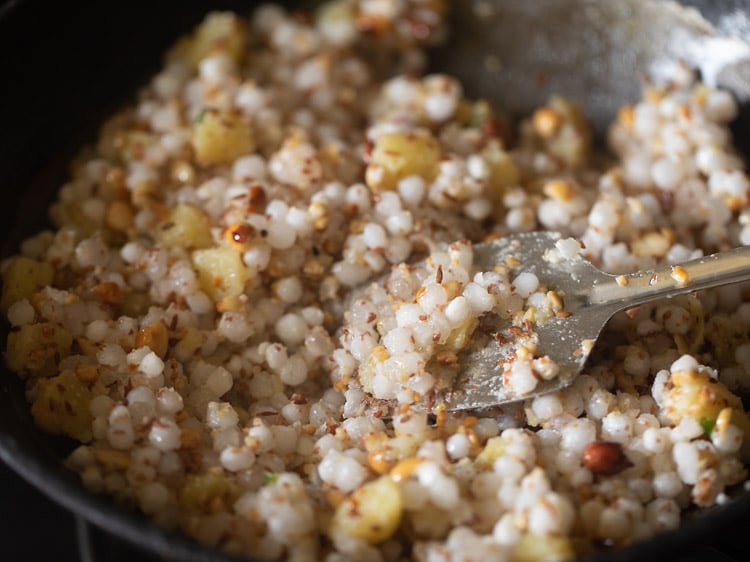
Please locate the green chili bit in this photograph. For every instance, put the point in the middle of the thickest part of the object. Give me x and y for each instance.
(269, 478)
(707, 425)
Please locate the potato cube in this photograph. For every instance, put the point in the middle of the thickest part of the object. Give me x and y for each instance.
(493, 449)
(218, 32)
(398, 155)
(200, 491)
(696, 395)
(503, 172)
(372, 513)
(221, 272)
(23, 278)
(219, 137)
(460, 336)
(62, 406)
(186, 226)
(35, 349)
(548, 548)
(335, 11)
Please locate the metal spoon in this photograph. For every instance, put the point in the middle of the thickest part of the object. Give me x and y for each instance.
(589, 295)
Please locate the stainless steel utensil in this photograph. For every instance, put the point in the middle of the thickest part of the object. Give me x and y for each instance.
(517, 54)
(589, 295)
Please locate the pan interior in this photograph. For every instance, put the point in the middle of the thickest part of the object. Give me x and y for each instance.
(519, 53)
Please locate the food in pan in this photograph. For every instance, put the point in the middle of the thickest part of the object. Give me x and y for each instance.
(192, 321)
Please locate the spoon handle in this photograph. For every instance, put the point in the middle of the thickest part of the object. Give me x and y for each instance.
(626, 291)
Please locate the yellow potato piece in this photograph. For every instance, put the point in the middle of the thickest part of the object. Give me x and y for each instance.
(200, 490)
(35, 349)
(696, 395)
(503, 171)
(372, 513)
(62, 406)
(24, 277)
(218, 32)
(460, 336)
(399, 155)
(219, 137)
(535, 548)
(186, 226)
(493, 449)
(221, 272)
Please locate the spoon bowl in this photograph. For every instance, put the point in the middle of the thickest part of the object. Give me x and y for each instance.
(590, 298)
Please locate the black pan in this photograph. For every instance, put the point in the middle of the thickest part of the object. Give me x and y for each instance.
(64, 66)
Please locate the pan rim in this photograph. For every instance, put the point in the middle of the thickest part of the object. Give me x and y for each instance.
(28, 460)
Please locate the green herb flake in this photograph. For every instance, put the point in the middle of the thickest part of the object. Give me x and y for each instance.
(269, 478)
(707, 425)
(199, 118)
